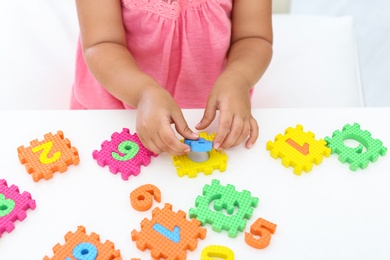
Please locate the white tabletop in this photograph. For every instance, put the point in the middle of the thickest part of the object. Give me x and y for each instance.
(329, 213)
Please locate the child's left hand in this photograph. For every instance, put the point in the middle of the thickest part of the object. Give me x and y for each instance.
(231, 97)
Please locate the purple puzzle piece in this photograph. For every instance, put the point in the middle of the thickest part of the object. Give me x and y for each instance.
(124, 153)
(13, 206)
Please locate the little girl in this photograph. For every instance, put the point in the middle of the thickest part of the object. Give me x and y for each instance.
(162, 55)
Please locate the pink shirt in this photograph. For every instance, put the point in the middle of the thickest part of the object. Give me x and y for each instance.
(182, 44)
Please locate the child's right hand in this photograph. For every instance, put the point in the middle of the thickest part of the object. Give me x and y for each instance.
(156, 111)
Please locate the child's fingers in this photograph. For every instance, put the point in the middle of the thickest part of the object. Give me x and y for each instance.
(225, 122)
(182, 127)
(208, 116)
(244, 134)
(148, 143)
(153, 147)
(254, 133)
(168, 142)
(235, 132)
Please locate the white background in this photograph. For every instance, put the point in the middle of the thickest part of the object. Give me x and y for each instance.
(372, 25)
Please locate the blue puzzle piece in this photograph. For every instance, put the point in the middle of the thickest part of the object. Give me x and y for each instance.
(200, 145)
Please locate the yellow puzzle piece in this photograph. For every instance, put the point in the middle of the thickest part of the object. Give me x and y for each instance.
(298, 149)
(217, 160)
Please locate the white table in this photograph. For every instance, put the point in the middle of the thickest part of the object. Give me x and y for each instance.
(328, 213)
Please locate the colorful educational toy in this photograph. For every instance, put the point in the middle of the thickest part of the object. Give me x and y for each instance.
(355, 156)
(214, 251)
(217, 160)
(53, 154)
(225, 198)
(141, 198)
(263, 229)
(298, 149)
(200, 145)
(124, 153)
(168, 234)
(13, 206)
(79, 245)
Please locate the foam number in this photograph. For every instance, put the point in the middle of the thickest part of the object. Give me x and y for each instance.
(142, 197)
(128, 148)
(303, 149)
(220, 205)
(6, 205)
(44, 158)
(84, 251)
(219, 252)
(263, 229)
(237, 204)
(171, 235)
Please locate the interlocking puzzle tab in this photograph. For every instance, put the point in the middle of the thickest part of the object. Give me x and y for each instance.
(355, 156)
(263, 229)
(142, 197)
(215, 251)
(217, 160)
(200, 145)
(298, 149)
(168, 234)
(13, 206)
(124, 153)
(79, 245)
(53, 154)
(225, 198)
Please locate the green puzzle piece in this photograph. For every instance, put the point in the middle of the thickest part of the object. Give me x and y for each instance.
(355, 156)
(224, 198)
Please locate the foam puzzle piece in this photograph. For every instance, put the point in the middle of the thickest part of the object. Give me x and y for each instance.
(200, 145)
(217, 252)
(217, 160)
(228, 199)
(298, 149)
(124, 153)
(13, 206)
(355, 156)
(168, 234)
(141, 198)
(89, 246)
(54, 153)
(263, 229)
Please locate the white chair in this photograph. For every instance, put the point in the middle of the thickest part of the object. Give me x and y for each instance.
(314, 62)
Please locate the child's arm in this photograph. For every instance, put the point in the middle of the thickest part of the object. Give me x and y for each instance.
(106, 54)
(249, 56)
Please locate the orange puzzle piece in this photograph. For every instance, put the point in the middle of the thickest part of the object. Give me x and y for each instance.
(54, 153)
(168, 234)
(79, 244)
(142, 197)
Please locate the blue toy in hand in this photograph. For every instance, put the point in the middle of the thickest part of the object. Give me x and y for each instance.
(200, 145)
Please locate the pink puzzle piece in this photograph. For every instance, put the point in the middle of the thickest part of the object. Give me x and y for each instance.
(124, 153)
(13, 206)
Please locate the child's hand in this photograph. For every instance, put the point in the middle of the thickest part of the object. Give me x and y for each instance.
(156, 111)
(236, 122)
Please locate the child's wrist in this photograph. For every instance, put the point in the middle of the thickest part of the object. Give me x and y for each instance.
(141, 87)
